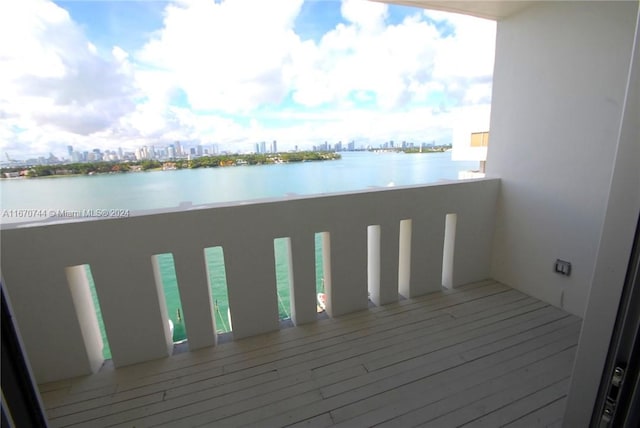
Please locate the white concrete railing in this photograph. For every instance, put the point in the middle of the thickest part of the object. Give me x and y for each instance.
(55, 314)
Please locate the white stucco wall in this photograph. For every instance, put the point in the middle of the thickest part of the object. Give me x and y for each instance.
(59, 330)
(613, 256)
(559, 83)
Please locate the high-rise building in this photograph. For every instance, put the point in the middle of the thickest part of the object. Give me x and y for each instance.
(263, 147)
(70, 151)
(274, 147)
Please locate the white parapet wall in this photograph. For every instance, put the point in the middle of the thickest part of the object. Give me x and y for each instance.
(54, 311)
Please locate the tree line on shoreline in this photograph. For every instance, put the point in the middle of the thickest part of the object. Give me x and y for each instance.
(110, 167)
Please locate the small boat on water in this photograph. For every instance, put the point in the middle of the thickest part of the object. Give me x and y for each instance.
(322, 302)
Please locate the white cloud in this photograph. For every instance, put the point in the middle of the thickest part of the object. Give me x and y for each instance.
(227, 59)
(464, 62)
(366, 15)
(233, 60)
(400, 64)
(227, 56)
(53, 78)
(392, 62)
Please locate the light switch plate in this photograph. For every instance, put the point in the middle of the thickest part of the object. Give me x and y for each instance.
(562, 267)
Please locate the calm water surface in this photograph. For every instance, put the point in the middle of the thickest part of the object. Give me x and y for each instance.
(164, 189)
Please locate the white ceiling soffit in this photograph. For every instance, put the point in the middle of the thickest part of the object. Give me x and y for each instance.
(495, 10)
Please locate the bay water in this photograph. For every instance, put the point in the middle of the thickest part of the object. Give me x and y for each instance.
(167, 189)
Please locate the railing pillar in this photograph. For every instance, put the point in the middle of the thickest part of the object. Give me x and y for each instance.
(474, 232)
(346, 288)
(44, 310)
(251, 280)
(132, 306)
(373, 263)
(389, 250)
(86, 313)
(426, 256)
(404, 257)
(448, 252)
(195, 297)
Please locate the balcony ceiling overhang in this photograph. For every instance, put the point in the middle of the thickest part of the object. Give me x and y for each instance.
(495, 10)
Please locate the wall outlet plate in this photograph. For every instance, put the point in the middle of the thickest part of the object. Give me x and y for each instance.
(562, 267)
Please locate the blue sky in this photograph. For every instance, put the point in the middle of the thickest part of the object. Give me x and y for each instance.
(127, 24)
(110, 74)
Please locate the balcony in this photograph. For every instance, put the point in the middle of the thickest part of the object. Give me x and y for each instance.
(395, 247)
(564, 144)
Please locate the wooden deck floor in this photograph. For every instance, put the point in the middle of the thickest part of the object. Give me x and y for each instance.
(480, 355)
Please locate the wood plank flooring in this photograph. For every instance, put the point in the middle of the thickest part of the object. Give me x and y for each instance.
(481, 355)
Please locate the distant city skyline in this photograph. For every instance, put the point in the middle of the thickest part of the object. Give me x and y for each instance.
(127, 74)
(179, 150)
